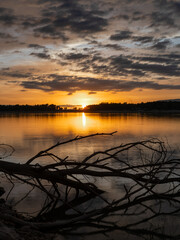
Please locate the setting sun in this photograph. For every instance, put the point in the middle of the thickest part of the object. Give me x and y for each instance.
(84, 105)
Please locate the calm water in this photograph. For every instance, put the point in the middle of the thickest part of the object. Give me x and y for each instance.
(30, 133)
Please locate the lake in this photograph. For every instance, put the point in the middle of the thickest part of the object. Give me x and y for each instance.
(31, 133)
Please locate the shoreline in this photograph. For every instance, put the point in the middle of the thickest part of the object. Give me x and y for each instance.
(101, 111)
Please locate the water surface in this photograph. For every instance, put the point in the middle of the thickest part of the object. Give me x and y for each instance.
(30, 133)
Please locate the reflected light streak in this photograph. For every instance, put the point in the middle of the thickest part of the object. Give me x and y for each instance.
(83, 119)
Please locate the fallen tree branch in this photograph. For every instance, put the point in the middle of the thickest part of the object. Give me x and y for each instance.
(153, 184)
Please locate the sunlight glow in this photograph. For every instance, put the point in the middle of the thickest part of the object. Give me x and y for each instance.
(84, 105)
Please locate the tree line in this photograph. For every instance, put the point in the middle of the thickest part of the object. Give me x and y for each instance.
(136, 107)
(30, 108)
(133, 107)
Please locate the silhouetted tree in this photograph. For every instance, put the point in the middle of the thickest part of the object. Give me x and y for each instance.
(152, 189)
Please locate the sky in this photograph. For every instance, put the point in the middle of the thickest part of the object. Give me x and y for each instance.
(87, 52)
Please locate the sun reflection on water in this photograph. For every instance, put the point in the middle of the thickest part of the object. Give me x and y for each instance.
(83, 119)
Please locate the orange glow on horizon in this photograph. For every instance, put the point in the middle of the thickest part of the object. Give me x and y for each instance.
(81, 98)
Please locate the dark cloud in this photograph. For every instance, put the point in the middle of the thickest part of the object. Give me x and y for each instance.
(172, 56)
(124, 16)
(41, 55)
(143, 39)
(29, 22)
(137, 16)
(173, 7)
(88, 37)
(70, 16)
(36, 46)
(6, 36)
(91, 93)
(51, 32)
(122, 35)
(122, 61)
(113, 46)
(126, 64)
(161, 45)
(158, 44)
(14, 74)
(116, 47)
(168, 59)
(74, 56)
(165, 64)
(7, 17)
(72, 84)
(162, 18)
(177, 6)
(5, 69)
(3, 10)
(127, 35)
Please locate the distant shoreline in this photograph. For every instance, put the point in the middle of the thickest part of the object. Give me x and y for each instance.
(87, 111)
(158, 107)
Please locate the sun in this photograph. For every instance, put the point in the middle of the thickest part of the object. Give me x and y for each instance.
(84, 105)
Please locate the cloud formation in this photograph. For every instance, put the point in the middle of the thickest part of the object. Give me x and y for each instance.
(91, 46)
(72, 84)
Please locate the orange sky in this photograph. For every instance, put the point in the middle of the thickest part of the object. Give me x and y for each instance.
(66, 52)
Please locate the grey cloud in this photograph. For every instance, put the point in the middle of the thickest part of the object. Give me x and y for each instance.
(172, 56)
(121, 60)
(3, 10)
(161, 59)
(173, 5)
(123, 16)
(137, 16)
(160, 18)
(122, 35)
(143, 39)
(74, 56)
(113, 46)
(158, 44)
(166, 64)
(125, 63)
(29, 22)
(58, 21)
(7, 19)
(6, 36)
(162, 45)
(14, 74)
(41, 55)
(108, 45)
(72, 84)
(71, 16)
(6, 16)
(176, 6)
(50, 31)
(127, 35)
(36, 46)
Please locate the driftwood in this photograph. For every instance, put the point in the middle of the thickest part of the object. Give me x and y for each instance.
(153, 189)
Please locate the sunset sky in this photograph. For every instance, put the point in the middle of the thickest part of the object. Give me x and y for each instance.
(85, 52)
